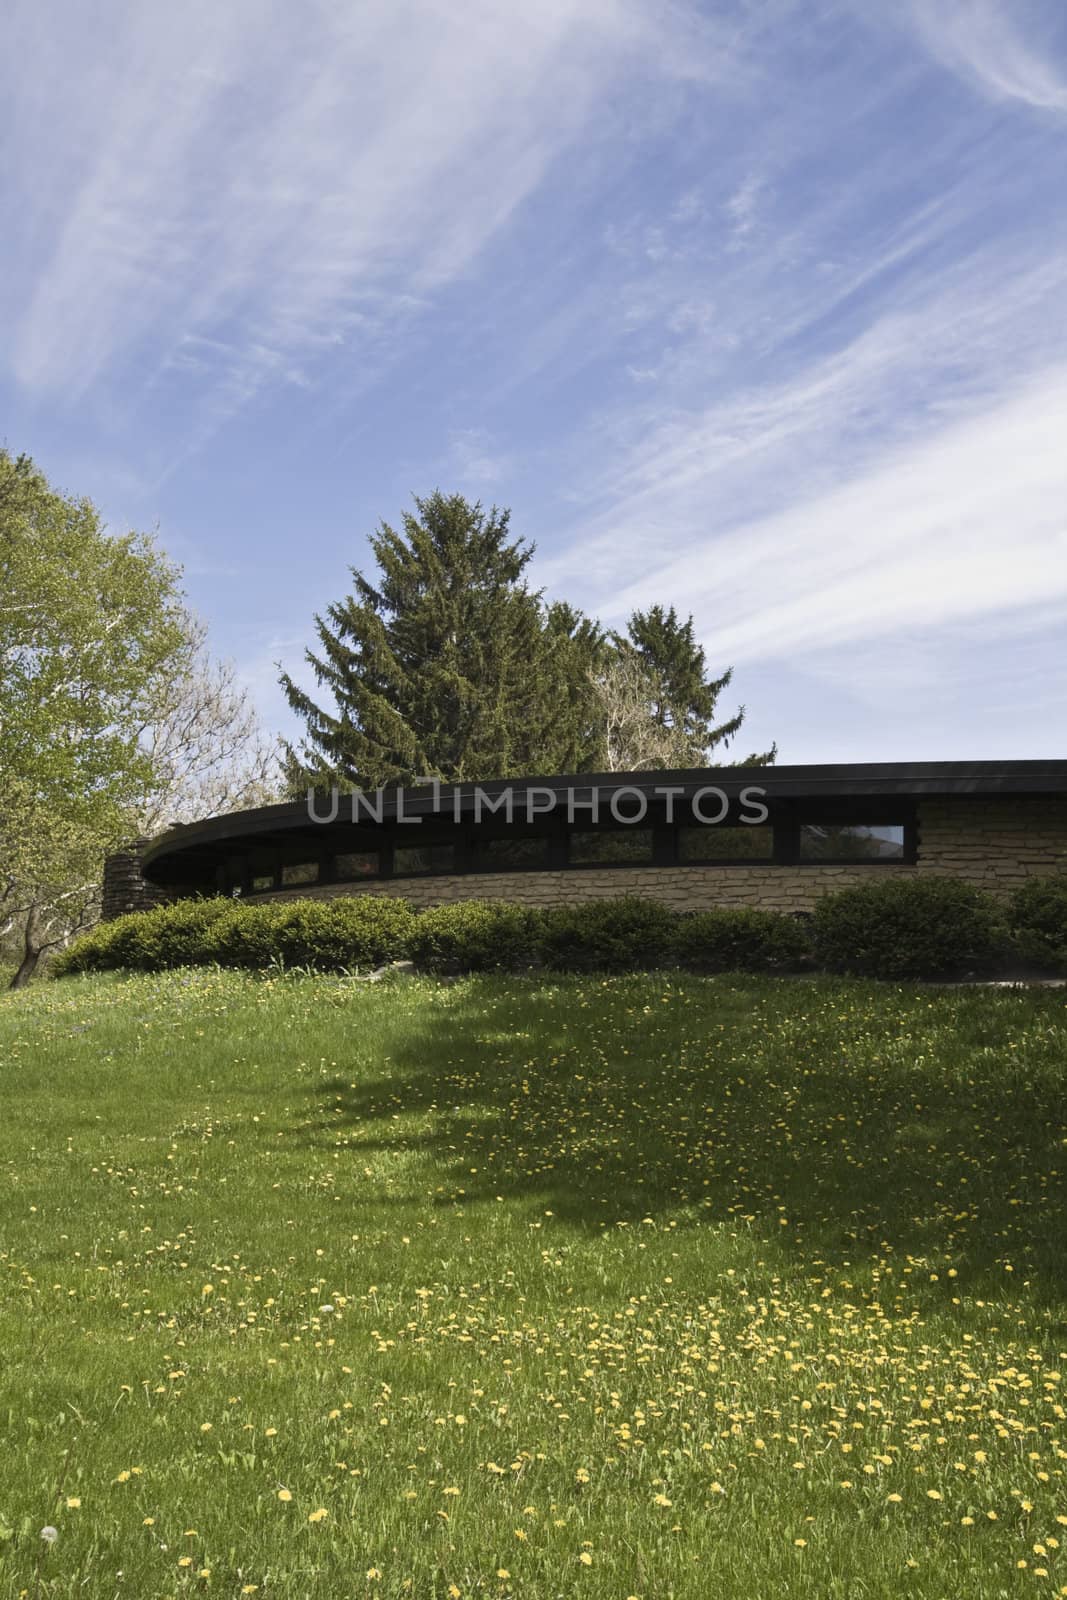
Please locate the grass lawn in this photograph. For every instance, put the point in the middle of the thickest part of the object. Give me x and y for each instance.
(647, 1287)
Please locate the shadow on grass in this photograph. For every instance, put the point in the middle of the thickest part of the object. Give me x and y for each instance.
(842, 1120)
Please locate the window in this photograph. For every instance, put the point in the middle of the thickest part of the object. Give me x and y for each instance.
(632, 845)
(749, 842)
(356, 864)
(424, 858)
(298, 872)
(261, 882)
(509, 855)
(852, 841)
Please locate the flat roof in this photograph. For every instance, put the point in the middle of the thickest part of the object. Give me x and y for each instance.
(189, 852)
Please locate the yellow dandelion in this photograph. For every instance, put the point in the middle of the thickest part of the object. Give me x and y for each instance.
(451, 1490)
(185, 1561)
(933, 1494)
(73, 1503)
(285, 1495)
(801, 1544)
(373, 1574)
(894, 1499)
(318, 1516)
(661, 1500)
(502, 1572)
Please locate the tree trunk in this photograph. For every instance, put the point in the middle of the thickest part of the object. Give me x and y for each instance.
(31, 949)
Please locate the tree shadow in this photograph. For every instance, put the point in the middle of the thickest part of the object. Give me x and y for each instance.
(843, 1121)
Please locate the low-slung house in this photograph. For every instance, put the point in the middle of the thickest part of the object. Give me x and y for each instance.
(776, 837)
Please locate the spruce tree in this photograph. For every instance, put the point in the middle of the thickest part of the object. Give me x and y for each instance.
(447, 664)
(683, 699)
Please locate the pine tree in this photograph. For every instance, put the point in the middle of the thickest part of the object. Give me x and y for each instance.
(446, 665)
(682, 698)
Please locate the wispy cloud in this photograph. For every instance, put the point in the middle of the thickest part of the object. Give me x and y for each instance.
(966, 524)
(1001, 46)
(474, 459)
(753, 308)
(292, 176)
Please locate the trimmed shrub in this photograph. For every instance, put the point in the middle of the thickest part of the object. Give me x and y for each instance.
(96, 951)
(330, 935)
(740, 940)
(1037, 916)
(183, 934)
(908, 928)
(356, 931)
(476, 936)
(625, 935)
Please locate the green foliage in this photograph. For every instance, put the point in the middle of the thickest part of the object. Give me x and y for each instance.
(99, 950)
(908, 928)
(327, 935)
(92, 634)
(740, 940)
(446, 664)
(624, 935)
(682, 697)
(476, 936)
(1037, 916)
(186, 933)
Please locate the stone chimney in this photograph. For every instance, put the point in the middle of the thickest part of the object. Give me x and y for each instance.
(124, 889)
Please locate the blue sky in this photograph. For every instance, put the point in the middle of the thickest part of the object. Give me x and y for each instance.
(758, 308)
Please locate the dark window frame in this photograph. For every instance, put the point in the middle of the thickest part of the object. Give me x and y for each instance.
(785, 823)
(768, 860)
(457, 868)
(831, 816)
(644, 826)
(475, 861)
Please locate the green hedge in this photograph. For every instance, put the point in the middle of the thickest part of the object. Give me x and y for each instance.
(1037, 917)
(890, 928)
(909, 928)
(332, 935)
(741, 940)
(625, 935)
(476, 936)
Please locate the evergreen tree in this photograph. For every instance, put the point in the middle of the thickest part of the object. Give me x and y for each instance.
(445, 665)
(578, 647)
(682, 698)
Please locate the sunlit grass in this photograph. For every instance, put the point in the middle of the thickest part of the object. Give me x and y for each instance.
(639, 1287)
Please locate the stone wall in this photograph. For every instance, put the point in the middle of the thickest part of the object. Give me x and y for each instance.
(996, 844)
(689, 888)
